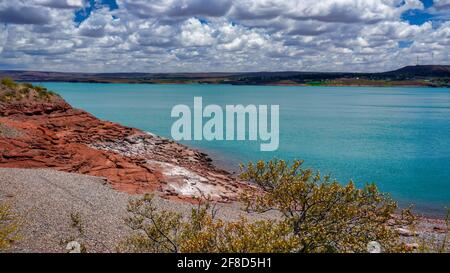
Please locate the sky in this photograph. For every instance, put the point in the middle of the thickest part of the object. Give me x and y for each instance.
(222, 35)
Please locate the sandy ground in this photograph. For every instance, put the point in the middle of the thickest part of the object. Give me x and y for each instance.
(46, 198)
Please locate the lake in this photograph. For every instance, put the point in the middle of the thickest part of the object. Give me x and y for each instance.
(396, 137)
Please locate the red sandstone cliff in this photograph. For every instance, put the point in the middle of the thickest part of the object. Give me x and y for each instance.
(38, 129)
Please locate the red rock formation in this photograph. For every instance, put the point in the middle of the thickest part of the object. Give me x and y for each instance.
(54, 135)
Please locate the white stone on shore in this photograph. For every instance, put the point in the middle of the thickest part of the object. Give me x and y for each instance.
(406, 232)
(74, 247)
(374, 247)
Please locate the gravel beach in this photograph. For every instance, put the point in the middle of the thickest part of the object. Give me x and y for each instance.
(45, 199)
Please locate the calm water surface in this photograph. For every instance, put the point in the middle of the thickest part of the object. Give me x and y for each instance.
(396, 137)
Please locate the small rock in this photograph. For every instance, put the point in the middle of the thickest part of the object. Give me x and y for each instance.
(406, 232)
(439, 229)
(374, 247)
(74, 247)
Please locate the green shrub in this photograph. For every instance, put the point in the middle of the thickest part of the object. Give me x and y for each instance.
(23, 89)
(28, 85)
(315, 215)
(44, 93)
(9, 227)
(160, 231)
(324, 215)
(9, 82)
(7, 97)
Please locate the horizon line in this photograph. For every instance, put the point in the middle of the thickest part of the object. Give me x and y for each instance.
(217, 72)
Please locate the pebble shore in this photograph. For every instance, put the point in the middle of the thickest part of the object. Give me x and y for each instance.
(45, 199)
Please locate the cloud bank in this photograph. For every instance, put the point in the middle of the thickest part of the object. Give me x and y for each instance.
(222, 35)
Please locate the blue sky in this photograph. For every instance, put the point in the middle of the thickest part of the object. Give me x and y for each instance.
(419, 17)
(83, 13)
(222, 35)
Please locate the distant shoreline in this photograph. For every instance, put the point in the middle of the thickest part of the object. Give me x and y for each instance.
(409, 76)
(273, 84)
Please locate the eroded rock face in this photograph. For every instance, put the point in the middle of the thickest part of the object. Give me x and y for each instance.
(186, 172)
(54, 135)
(59, 140)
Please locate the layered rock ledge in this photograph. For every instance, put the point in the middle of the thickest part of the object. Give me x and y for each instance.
(38, 129)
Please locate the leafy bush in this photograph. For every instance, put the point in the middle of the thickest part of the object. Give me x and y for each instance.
(28, 85)
(9, 227)
(163, 231)
(324, 215)
(7, 97)
(9, 82)
(316, 215)
(22, 90)
(44, 93)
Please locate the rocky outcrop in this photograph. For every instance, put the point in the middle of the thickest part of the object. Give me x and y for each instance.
(55, 135)
(186, 172)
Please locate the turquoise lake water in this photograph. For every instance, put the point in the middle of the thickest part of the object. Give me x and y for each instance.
(396, 137)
